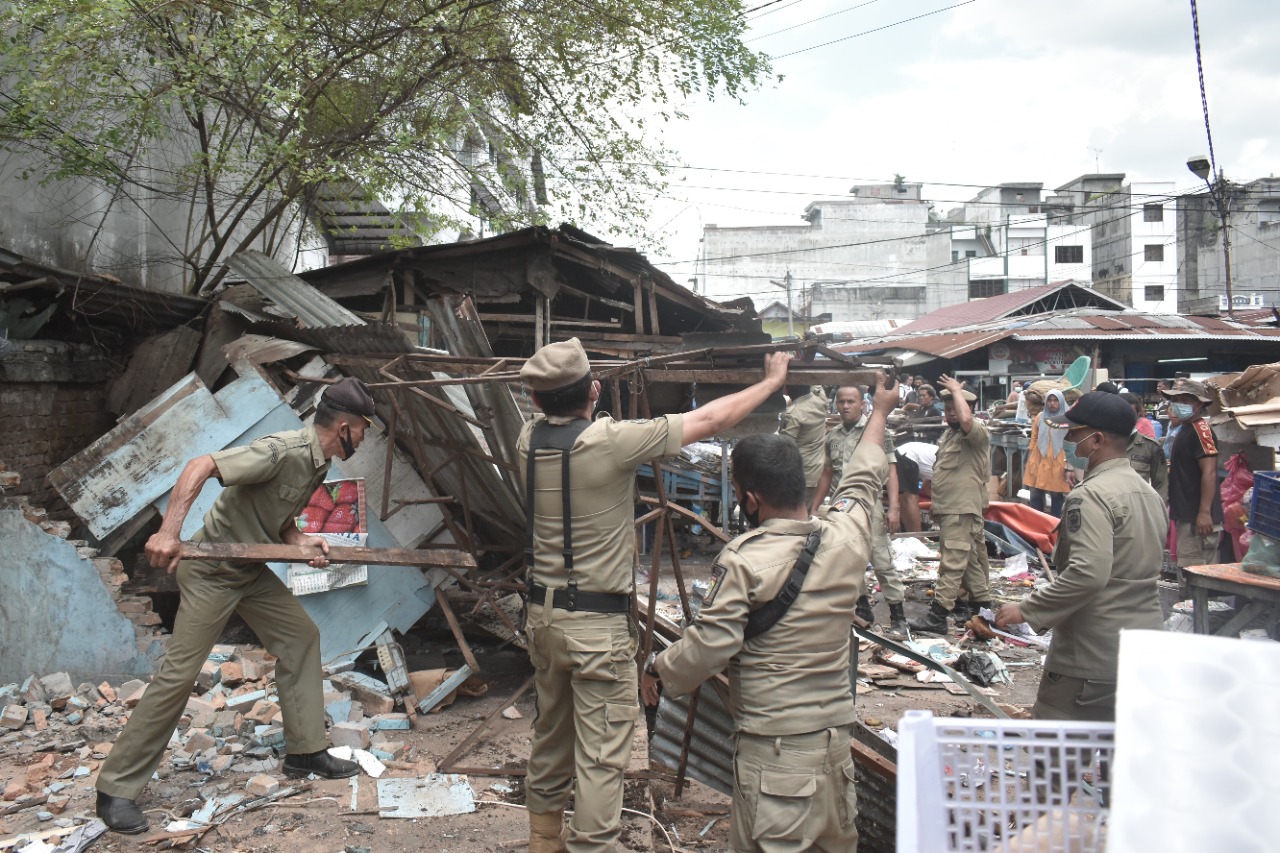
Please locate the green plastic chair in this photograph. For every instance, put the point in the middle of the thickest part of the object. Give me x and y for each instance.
(1077, 372)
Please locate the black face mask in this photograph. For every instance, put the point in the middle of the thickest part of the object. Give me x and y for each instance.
(347, 447)
(752, 517)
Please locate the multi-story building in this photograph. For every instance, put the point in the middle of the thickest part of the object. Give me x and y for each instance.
(865, 257)
(1133, 233)
(1254, 219)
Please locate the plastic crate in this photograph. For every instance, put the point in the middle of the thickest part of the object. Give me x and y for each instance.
(1008, 785)
(1264, 511)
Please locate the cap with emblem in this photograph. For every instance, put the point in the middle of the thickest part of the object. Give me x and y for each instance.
(1188, 386)
(945, 394)
(349, 395)
(1101, 410)
(556, 366)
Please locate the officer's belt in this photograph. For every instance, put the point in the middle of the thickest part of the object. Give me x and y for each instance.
(579, 600)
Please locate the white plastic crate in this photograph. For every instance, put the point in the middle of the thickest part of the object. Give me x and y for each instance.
(1014, 786)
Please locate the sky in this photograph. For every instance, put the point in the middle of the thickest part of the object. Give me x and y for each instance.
(981, 93)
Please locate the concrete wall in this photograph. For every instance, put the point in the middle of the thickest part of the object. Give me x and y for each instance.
(57, 613)
(848, 245)
(52, 406)
(1255, 263)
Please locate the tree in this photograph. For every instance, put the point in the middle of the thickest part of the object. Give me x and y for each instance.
(518, 110)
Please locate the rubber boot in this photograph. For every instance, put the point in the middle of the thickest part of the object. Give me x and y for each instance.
(934, 622)
(897, 619)
(546, 832)
(863, 609)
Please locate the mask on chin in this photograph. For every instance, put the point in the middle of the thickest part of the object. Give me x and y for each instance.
(347, 447)
(752, 516)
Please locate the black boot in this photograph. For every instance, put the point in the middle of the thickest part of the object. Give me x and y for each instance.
(121, 815)
(934, 622)
(976, 606)
(897, 618)
(960, 612)
(863, 609)
(320, 763)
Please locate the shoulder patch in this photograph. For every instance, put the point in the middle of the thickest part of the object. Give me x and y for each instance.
(276, 448)
(842, 505)
(1205, 433)
(717, 575)
(637, 421)
(1072, 516)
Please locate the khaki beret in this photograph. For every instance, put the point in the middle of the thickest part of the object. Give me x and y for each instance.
(556, 366)
(349, 395)
(945, 393)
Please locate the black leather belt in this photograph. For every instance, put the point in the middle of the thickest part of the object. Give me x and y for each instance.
(587, 602)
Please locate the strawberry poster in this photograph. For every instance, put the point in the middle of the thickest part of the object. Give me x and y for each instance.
(335, 511)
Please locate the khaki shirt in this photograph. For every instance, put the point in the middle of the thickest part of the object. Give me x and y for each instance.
(266, 485)
(602, 487)
(1109, 552)
(842, 441)
(805, 421)
(1146, 455)
(793, 678)
(961, 471)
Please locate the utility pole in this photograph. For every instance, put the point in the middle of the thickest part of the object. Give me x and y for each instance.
(785, 284)
(1220, 191)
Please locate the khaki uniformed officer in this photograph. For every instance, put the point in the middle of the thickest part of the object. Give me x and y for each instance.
(789, 692)
(1109, 552)
(581, 639)
(266, 485)
(960, 475)
(805, 422)
(1146, 455)
(841, 444)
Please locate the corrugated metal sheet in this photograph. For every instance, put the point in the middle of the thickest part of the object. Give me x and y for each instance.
(290, 292)
(995, 308)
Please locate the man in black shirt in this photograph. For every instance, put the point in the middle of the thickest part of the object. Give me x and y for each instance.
(1194, 502)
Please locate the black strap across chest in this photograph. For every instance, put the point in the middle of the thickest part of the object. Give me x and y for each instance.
(547, 436)
(766, 617)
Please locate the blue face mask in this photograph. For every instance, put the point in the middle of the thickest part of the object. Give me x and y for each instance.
(1182, 411)
(1069, 448)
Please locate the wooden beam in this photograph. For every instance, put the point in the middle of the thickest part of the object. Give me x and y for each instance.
(227, 552)
(752, 375)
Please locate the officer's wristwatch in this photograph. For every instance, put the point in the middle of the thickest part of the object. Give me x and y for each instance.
(649, 668)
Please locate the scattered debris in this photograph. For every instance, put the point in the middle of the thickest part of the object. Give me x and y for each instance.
(433, 795)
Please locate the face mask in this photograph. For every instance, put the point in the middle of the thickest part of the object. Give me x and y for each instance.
(1069, 448)
(752, 516)
(347, 447)
(1182, 411)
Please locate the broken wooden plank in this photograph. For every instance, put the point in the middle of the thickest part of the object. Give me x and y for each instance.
(751, 375)
(227, 552)
(450, 684)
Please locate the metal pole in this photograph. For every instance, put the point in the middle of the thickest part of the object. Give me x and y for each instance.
(1220, 196)
(791, 328)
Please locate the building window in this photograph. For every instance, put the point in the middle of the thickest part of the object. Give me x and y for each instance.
(1102, 272)
(955, 256)
(1153, 213)
(1154, 293)
(1068, 254)
(983, 289)
(1119, 268)
(971, 253)
(1153, 252)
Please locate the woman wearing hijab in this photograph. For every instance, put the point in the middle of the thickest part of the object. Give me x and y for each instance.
(1046, 474)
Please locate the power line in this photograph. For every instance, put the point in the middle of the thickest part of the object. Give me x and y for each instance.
(876, 30)
(1204, 100)
(813, 20)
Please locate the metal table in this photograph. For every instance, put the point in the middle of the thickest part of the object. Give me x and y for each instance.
(1014, 445)
(1261, 594)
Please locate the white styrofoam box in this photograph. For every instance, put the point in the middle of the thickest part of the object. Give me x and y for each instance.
(1198, 729)
(1010, 785)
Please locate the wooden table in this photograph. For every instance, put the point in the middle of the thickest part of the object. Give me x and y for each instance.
(1261, 593)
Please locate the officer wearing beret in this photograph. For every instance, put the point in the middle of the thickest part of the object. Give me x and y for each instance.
(581, 638)
(1109, 552)
(266, 484)
(789, 694)
(960, 475)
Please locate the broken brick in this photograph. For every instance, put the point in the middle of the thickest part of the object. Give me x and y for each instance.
(108, 692)
(13, 717)
(354, 735)
(231, 673)
(262, 785)
(130, 692)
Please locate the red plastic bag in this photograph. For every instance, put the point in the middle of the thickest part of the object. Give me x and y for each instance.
(1239, 479)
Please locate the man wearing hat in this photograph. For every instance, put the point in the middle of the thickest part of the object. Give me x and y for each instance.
(960, 475)
(1194, 502)
(1108, 555)
(266, 484)
(579, 480)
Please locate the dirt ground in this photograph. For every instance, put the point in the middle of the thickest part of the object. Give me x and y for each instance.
(61, 761)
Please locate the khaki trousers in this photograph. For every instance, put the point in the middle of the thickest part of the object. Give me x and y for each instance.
(210, 593)
(585, 676)
(1194, 549)
(964, 559)
(882, 560)
(1066, 697)
(793, 793)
